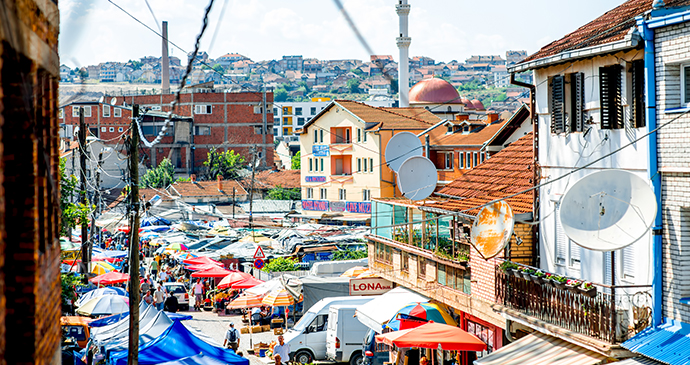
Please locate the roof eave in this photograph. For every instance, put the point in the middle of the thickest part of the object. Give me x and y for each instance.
(630, 41)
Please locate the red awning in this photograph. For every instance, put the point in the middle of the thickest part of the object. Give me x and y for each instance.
(201, 260)
(110, 278)
(431, 335)
(232, 278)
(216, 272)
(246, 283)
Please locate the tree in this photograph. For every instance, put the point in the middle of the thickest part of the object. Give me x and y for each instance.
(161, 176)
(225, 164)
(281, 193)
(73, 214)
(297, 161)
(136, 65)
(280, 264)
(219, 68)
(394, 86)
(280, 94)
(348, 254)
(353, 85)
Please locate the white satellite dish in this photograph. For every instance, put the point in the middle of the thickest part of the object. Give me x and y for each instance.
(401, 147)
(100, 100)
(417, 178)
(608, 210)
(113, 101)
(492, 229)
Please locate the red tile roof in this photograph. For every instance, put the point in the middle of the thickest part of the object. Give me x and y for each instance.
(389, 118)
(269, 179)
(609, 27)
(206, 189)
(472, 139)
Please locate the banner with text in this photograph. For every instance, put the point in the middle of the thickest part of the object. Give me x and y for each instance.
(369, 286)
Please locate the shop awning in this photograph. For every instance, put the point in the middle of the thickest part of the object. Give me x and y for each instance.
(377, 312)
(537, 349)
(668, 343)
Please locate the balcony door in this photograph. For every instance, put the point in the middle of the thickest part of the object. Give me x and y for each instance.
(339, 166)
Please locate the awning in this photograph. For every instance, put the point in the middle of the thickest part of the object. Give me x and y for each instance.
(538, 348)
(668, 343)
(377, 312)
(639, 361)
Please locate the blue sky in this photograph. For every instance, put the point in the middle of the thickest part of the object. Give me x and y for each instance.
(93, 31)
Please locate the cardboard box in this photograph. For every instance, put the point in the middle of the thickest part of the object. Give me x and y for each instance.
(244, 330)
(277, 331)
(277, 320)
(257, 329)
(266, 327)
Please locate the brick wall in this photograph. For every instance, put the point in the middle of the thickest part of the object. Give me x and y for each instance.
(672, 45)
(524, 252)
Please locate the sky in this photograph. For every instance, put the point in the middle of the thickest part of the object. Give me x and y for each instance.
(94, 31)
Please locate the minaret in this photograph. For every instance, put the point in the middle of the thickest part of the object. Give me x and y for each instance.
(165, 63)
(403, 10)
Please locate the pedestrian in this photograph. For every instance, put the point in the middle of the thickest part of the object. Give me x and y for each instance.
(148, 297)
(159, 297)
(198, 294)
(146, 283)
(162, 276)
(171, 304)
(153, 268)
(142, 270)
(232, 338)
(282, 349)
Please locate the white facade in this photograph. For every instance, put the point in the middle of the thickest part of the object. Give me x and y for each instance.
(113, 166)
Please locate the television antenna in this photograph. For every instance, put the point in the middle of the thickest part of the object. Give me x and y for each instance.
(400, 147)
(417, 178)
(492, 229)
(608, 210)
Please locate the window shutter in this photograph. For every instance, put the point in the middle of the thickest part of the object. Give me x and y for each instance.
(638, 105)
(607, 270)
(629, 262)
(577, 105)
(561, 239)
(610, 96)
(557, 104)
(575, 257)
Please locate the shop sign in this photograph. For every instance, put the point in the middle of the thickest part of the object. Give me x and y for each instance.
(369, 286)
(320, 205)
(359, 207)
(320, 150)
(315, 179)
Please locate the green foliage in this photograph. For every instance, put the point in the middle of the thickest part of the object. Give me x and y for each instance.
(136, 65)
(281, 193)
(296, 161)
(69, 282)
(353, 85)
(348, 254)
(219, 68)
(225, 164)
(72, 213)
(280, 94)
(161, 176)
(394, 86)
(280, 264)
(357, 72)
(183, 179)
(304, 85)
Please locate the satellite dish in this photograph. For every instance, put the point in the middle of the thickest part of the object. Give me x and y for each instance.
(113, 101)
(401, 147)
(608, 210)
(100, 100)
(492, 229)
(417, 178)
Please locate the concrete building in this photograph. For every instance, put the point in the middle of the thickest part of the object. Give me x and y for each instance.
(292, 63)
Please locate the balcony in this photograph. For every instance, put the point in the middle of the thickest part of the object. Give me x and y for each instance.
(609, 314)
(341, 139)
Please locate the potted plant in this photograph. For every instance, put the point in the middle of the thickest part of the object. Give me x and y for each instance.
(572, 285)
(559, 281)
(509, 267)
(588, 289)
(527, 273)
(538, 277)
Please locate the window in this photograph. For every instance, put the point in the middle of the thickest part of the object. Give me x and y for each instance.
(449, 129)
(319, 324)
(312, 111)
(481, 157)
(371, 165)
(365, 135)
(111, 129)
(286, 110)
(448, 163)
(610, 97)
(258, 130)
(103, 129)
(561, 239)
(203, 109)
(474, 159)
(300, 121)
(202, 131)
(383, 253)
(75, 111)
(404, 261)
(119, 129)
(342, 194)
(61, 113)
(366, 195)
(638, 104)
(106, 111)
(365, 165)
(685, 85)
(359, 165)
(310, 193)
(567, 106)
(117, 112)
(461, 160)
(286, 120)
(286, 131)
(421, 267)
(323, 194)
(258, 110)
(87, 111)
(321, 160)
(311, 165)
(321, 136)
(298, 111)
(359, 135)
(316, 136)
(468, 157)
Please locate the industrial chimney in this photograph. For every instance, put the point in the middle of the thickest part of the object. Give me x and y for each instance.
(403, 10)
(165, 63)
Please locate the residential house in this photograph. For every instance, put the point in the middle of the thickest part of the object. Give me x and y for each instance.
(65, 74)
(513, 57)
(104, 162)
(229, 58)
(200, 58)
(420, 61)
(266, 180)
(312, 65)
(491, 60)
(293, 63)
(500, 76)
(202, 192)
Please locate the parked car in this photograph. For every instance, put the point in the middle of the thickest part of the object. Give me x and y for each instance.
(180, 292)
(344, 335)
(371, 356)
(77, 328)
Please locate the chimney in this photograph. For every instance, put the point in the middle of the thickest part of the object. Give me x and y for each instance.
(193, 178)
(219, 179)
(461, 117)
(165, 63)
(491, 117)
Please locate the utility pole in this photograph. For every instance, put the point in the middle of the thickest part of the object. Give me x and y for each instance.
(233, 203)
(85, 252)
(263, 119)
(133, 353)
(251, 194)
(98, 191)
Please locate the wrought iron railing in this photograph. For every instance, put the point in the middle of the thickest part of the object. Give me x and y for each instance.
(600, 315)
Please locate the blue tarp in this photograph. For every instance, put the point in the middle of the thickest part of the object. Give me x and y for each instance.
(154, 221)
(199, 359)
(178, 317)
(668, 343)
(108, 320)
(176, 343)
(159, 229)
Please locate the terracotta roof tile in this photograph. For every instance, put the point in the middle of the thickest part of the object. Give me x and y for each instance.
(472, 139)
(206, 189)
(388, 118)
(269, 179)
(609, 27)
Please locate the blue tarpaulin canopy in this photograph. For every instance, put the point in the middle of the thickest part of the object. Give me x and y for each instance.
(154, 221)
(668, 343)
(176, 343)
(199, 359)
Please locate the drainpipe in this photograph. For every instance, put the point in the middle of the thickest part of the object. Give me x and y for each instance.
(653, 171)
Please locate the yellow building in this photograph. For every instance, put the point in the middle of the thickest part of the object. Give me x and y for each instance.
(342, 156)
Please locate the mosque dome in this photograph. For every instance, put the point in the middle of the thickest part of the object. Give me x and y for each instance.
(467, 102)
(477, 104)
(434, 91)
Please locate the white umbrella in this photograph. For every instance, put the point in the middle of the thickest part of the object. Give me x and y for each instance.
(265, 287)
(105, 305)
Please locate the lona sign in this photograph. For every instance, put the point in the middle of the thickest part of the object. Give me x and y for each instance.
(369, 286)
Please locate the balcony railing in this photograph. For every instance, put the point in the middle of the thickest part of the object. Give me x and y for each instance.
(604, 316)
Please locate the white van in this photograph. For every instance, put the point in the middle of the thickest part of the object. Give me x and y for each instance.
(344, 335)
(307, 339)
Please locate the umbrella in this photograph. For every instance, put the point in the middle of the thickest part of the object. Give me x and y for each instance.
(234, 277)
(353, 272)
(432, 335)
(201, 260)
(100, 267)
(263, 289)
(99, 293)
(176, 246)
(110, 278)
(415, 314)
(246, 283)
(217, 272)
(125, 229)
(201, 267)
(246, 301)
(105, 305)
(278, 298)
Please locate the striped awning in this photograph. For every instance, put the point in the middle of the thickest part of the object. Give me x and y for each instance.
(537, 349)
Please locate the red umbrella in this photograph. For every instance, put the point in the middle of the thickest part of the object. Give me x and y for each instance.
(110, 278)
(201, 260)
(246, 283)
(432, 335)
(201, 267)
(216, 272)
(232, 278)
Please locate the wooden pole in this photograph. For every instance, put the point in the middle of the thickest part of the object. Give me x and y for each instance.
(251, 195)
(133, 353)
(85, 252)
